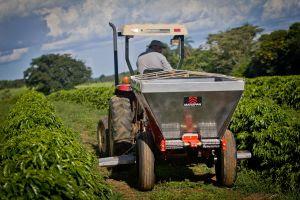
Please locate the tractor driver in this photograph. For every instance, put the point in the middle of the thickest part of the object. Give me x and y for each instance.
(152, 60)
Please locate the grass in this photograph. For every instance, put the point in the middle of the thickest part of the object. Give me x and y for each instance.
(192, 182)
(81, 119)
(173, 182)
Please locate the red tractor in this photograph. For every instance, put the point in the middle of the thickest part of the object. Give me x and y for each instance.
(169, 114)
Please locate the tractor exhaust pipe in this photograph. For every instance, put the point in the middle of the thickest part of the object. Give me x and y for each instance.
(115, 52)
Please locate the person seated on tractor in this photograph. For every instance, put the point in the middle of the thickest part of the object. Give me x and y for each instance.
(152, 60)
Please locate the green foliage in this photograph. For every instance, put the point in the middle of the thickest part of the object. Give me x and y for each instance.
(172, 56)
(96, 97)
(30, 111)
(230, 49)
(172, 53)
(227, 52)
(283, 90)
(110, 78)
(95, 84)
(41, 159)
(54, 72)
(277, 53)
(199, 60)
(267, 123)
(11, 84)
(237, 52)
(8, 98)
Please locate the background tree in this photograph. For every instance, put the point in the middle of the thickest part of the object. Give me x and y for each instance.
(231, 49)
(11, 83)
(187, 46)
(277, 53)
(293, 54)
(199, 60)
(172, 52)
(268, 57)
(53, 72)
(171, 55)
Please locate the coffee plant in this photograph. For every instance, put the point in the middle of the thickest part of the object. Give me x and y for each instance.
(267, 123)
(96, 97)
(42, 159)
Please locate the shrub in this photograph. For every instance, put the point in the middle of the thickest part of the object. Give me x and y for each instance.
(95, 97)
(284, 90)
(40, 158)
(267, 123)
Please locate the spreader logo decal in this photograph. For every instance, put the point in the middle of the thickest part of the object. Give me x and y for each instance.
(192, 101)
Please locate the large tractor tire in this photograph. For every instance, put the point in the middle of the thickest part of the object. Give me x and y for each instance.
(120, 126)
(102, 137)
(145, 161)
(226, 165)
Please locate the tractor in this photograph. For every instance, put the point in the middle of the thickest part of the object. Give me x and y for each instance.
(167, 115)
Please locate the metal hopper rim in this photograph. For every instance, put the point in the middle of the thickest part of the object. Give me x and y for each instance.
(175, 81)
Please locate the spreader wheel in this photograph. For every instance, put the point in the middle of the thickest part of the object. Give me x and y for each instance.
(120, 126)
(102, 134)
(226, 165)
(145, 161)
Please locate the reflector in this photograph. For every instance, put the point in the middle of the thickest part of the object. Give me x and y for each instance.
(126, 80)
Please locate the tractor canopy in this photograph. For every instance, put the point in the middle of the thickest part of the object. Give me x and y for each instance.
(153, 29)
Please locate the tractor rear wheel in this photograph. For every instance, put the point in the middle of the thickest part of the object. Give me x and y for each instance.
(226, 165)
(120, 126)
(102, 137)
(145, 161)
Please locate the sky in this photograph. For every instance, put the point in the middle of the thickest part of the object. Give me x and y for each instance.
(31, 28)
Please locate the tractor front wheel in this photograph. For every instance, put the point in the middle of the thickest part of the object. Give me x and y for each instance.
(145, 161)
(226, 165)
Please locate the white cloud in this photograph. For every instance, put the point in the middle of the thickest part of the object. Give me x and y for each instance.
(89, 19)
(78, 23)
(71, 23)
(15, 55)
(10, 8)
(58, 44)
(273, 9)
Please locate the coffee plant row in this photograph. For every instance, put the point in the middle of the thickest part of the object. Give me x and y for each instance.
(267, 122)
(95, 97)
(42, 159)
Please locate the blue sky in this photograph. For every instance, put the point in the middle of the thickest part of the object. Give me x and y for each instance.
(30, 28)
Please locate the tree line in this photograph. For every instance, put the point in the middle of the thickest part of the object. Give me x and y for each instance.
(245, 51)
(4, 84)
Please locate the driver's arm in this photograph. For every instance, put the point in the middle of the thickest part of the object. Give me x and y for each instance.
(165, 64)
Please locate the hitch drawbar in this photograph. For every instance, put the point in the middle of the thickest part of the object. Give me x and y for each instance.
(241, 155)
(130, 159)
(117, 160)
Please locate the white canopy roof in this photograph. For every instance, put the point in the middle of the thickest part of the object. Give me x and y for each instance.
(153, 29)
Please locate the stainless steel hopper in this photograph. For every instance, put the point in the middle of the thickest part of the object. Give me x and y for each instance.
(180, 99)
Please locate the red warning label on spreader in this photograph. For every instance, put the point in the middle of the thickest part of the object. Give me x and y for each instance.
(192, 101)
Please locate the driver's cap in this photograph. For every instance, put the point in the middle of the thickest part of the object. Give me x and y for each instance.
(157, 43)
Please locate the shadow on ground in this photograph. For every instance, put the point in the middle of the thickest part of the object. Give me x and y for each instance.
(166, 172)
